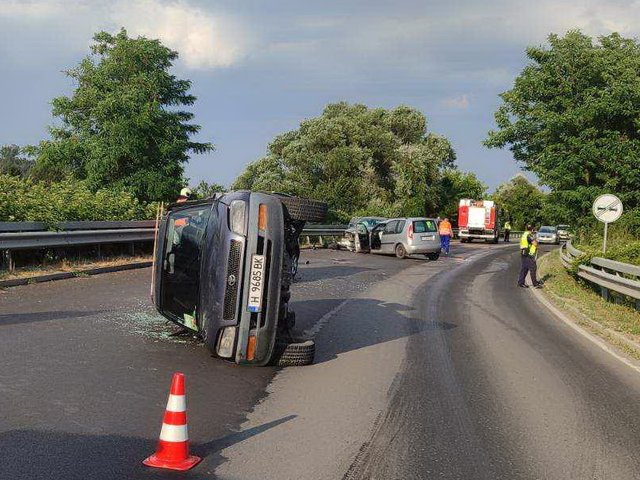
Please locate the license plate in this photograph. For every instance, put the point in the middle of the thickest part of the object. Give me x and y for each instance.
(256, 281)
(428, 237)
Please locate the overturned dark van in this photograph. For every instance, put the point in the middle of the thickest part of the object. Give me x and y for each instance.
(224, 268)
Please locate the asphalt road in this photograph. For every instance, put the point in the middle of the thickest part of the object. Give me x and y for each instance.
(507, 392)
(86, 366)
(423, 370)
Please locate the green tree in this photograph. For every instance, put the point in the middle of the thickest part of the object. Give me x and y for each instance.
(359, 160)
(455, 185)
(125, 125)
(520, 201)
(206, 190)
(22, 199)
(572, 118)
(13, 162)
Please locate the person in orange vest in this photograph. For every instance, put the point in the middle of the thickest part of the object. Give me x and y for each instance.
(446, 232)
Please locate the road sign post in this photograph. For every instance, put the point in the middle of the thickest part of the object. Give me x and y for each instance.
(607, 208)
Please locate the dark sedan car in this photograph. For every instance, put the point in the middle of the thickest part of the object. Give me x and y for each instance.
(359, 226)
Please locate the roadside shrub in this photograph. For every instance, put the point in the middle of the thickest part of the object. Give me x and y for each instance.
(25, 200)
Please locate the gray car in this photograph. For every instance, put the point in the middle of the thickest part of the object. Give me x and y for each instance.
(563, 232)
(404, 236)
(548, 234)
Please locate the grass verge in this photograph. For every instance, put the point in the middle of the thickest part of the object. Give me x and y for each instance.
(74, 266)
(617, 324)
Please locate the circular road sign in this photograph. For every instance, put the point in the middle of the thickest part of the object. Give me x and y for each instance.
(607, 208)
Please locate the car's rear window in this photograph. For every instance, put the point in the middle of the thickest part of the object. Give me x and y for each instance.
(422, 226)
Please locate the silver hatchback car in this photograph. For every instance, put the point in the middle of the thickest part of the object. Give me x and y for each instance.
(404, 236)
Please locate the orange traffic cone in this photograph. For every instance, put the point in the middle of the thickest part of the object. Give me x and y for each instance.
(173, 447)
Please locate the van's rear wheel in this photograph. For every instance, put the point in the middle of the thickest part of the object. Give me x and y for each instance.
(293, 354)
(305, 209)
(400, 251)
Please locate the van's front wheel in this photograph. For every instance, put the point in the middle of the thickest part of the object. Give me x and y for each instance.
(296, 353)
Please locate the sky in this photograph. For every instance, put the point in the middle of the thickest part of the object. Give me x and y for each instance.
(260, 67)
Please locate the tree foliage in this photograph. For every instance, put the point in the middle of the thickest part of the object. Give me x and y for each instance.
(359, 160)
(455, 185)
(573, 118)
(13, 162)
(125, 125)
(24, 200)
(521, 202)
(206, 190)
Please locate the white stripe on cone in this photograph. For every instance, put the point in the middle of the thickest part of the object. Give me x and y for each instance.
(174, 433)
(176, 403)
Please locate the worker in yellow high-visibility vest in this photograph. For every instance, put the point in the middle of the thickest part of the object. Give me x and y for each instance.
(507, 231)
(528, 250)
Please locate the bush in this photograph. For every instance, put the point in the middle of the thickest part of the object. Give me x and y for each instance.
(25, 200)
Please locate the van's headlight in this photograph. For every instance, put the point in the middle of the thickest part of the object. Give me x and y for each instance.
(237, 217)
(225, 344)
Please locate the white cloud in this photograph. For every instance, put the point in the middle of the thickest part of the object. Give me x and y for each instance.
(461, 102)
(16, 9)
(203, 39)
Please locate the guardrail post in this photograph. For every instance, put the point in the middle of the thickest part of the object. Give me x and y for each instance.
(604, 292)
(8, 260)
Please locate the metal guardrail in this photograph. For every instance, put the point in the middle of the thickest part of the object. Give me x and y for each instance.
(31, 240)
(34, 235)
(15, 227)
(609, 275)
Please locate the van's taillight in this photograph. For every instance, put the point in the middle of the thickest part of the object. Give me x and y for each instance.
(410, 231)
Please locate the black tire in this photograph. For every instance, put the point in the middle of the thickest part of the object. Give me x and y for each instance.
(433, 256)
(293, 354)
(400, 251)
(304, 209)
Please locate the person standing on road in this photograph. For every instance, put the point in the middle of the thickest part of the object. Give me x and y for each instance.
(446, 232)
(507, 231)
(528, 251)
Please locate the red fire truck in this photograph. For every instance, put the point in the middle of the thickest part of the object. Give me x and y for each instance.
(478, 219)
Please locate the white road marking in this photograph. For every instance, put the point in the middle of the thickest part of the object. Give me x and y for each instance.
(315, 329)
(596, 340)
